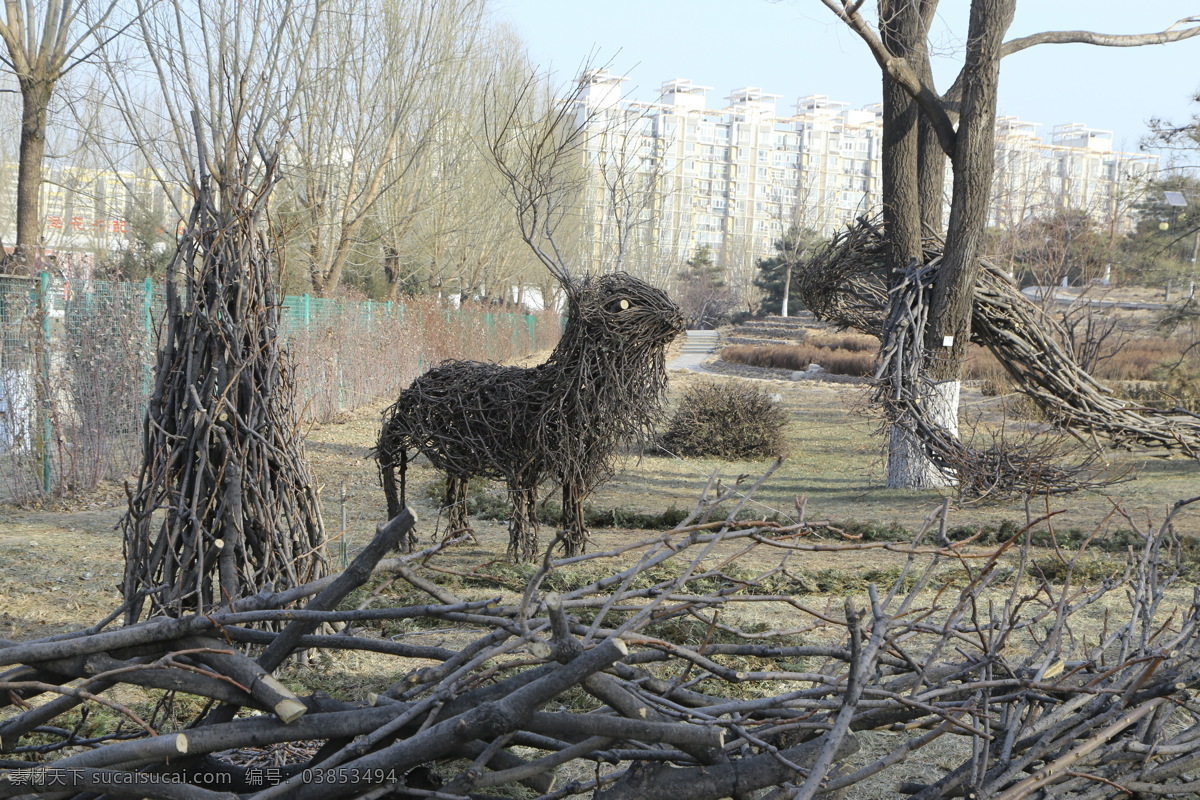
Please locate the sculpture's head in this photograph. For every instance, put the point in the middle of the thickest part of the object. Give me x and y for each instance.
(620, 308)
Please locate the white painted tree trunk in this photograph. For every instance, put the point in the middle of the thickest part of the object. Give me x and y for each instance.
(908, 468)
(787, 289)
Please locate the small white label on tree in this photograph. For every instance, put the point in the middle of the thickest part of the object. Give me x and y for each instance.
(947, 341)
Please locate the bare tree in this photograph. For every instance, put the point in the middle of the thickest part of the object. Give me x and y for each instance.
(386, 76)
(923, 129)
(464, 237)
(624, 191)
(536, 141)
(43, 43)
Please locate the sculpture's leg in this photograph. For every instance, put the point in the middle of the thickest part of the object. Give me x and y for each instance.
(574, 534)
(522, 526)
(388, 462)
(456, 506)
(387, 476)
(409, 542)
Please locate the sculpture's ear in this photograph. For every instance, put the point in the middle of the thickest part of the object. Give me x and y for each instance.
(573, 289)
(560, 272)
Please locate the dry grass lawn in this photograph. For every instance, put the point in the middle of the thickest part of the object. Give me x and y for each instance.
(60, 567)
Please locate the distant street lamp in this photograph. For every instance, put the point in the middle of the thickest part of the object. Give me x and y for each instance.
(1177, 201)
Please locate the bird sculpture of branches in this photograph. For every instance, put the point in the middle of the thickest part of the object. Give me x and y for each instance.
(561, 422)
(847, 284)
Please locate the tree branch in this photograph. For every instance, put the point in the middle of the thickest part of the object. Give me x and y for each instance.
(1102, 39)
(900, 71)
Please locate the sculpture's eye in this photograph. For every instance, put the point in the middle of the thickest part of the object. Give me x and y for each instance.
(618, 305)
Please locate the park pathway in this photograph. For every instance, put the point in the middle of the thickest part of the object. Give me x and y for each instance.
(696, 348)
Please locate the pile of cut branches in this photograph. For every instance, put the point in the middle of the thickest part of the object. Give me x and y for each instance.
(599, 689)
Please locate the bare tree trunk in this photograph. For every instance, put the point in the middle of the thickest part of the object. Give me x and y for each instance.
(907, 192)
(931, 179)
(902, 32)
(787, 289)
(949, 331)
(35, 99)
(908, 465)
(391, 271)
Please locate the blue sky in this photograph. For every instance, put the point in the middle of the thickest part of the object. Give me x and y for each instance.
(797, 47)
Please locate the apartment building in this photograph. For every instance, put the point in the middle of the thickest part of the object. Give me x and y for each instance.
(1076, 167)
(691, 170)
(86, 211)
(670, 176)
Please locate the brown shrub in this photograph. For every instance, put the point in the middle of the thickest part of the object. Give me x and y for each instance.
(730, 420)
(838, 361)
(855, 342)
(1140, 359)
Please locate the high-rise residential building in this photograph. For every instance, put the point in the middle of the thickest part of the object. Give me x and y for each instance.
(688, 170)
(671, 176)
(1076, 169)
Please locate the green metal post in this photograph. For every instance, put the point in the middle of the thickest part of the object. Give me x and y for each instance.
(306, 309)
(43, 299)
(148, 304)
(148, 322)
(532, 323)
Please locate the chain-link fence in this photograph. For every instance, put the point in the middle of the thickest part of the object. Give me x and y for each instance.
(76, 365)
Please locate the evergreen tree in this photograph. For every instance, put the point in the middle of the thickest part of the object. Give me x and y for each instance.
(703, 295)
(776, 273)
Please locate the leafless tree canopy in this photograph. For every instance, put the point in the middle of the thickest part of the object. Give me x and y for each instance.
(561, 421)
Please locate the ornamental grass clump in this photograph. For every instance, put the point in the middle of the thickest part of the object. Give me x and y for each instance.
(734, 421)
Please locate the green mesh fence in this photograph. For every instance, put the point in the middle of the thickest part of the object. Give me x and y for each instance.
(76, 367)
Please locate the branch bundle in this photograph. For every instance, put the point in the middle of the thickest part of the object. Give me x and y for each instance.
(224, 504)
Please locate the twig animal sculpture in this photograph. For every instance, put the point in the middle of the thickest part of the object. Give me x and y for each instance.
(561, 421)
(847, 284)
